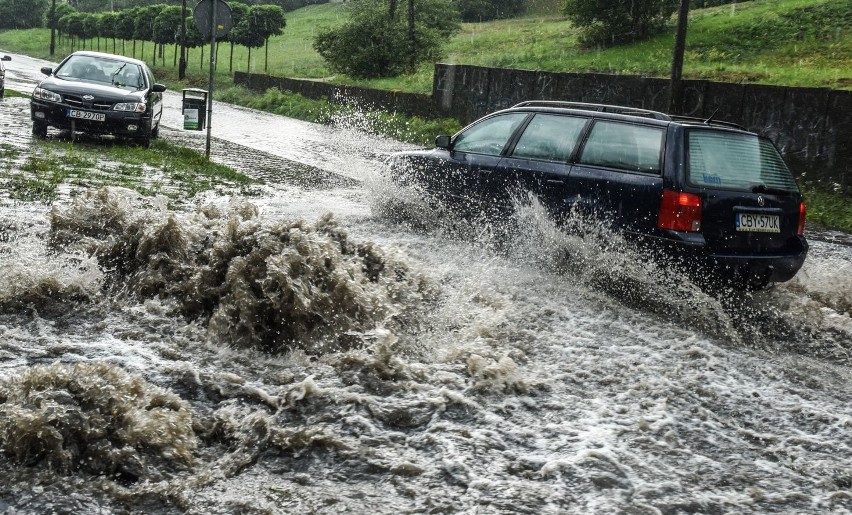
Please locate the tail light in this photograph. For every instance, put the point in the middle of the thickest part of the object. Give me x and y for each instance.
(802, 211)
(680, 211)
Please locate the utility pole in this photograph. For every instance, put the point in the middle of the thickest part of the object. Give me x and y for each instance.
(676, 86)
(53, 27)
(182, 64)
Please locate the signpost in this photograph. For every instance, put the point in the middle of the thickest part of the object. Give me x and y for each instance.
(213, 20)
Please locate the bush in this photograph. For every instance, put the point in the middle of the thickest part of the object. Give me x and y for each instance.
(613, 22)
(483, 10)
(372, 44)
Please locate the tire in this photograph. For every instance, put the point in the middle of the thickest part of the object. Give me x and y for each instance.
(2, 92)
(155, 132)
(40, 130)
(145, 141)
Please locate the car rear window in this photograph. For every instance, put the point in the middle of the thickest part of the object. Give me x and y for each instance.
(735, 161)
(625, 146)
(550, 137)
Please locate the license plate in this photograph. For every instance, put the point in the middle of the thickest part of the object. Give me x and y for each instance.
(86, 115)
(758, 223)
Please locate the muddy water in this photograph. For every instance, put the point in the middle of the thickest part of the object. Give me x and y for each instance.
(338, 345)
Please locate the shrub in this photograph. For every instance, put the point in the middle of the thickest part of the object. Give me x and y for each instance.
(373, 44)
(612, 22)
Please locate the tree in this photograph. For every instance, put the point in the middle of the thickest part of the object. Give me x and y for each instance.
(143, 26)
(72, 24)
(166, 27)
(376, 41)
(267, 21)
(194, 38)
(22, 14)
(90, 28)
(248, 34)
(106, 27)
(484, 10)
(125, 25)
(613, 22)
(238, 12)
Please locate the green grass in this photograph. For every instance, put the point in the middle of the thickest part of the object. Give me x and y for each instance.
(164, 169)
(827, 207)
(782, 42)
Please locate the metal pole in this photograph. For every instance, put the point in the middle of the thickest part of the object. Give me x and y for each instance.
(676, 87)
(212, 70)
(182, 64)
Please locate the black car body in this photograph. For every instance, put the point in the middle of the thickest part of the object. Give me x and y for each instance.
(3, 75)
(99, 93)
(717, 197)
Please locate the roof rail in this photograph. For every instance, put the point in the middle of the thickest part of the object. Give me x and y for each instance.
(604, 108)
(708, 121)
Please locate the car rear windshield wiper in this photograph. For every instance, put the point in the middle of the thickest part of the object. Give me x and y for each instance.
(762, 188)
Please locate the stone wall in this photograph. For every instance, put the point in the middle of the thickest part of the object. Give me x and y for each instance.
(811, 126)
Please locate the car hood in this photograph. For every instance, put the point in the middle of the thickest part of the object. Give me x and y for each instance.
(99, 91)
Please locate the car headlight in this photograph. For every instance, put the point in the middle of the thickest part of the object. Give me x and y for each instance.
(133, 107)
(45, 94)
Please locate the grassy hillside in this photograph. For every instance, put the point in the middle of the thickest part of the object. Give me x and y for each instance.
(787, 42)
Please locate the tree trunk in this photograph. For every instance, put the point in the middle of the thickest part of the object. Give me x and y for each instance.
(266, 58)
(231, 60)
(248, 68)
(392, 9)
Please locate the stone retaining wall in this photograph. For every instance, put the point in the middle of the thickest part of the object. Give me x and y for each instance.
(811, 126)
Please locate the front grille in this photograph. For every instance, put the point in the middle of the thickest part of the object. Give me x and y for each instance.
(97, 105)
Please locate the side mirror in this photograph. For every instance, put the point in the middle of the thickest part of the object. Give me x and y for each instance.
(47, 70)
(7, 57)
(443, 142)
(158, 88)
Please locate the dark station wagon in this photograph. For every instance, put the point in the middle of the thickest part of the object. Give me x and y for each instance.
(715, 196)
(99, 93)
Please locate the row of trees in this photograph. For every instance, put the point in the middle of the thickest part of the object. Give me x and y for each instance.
(160, 24)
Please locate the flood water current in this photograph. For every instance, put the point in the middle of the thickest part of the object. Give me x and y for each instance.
(336, 345)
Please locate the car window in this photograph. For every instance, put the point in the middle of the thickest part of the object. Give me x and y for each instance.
(621, 145)
(730, 160)
(550, 137)
(490, 135)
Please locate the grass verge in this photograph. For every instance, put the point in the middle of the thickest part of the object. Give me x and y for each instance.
(54, 168)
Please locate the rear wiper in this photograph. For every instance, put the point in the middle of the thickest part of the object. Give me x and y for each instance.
(762, 188)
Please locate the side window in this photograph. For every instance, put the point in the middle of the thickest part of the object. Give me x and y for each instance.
(550, 137)
(621, 145)
(489, 136)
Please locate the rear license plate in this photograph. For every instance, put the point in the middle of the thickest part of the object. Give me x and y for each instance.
(758, 223)
(86, 115)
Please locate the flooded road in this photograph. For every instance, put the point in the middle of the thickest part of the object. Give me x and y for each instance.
(333, 345)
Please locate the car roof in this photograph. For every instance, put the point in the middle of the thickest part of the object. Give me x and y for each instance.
(110, 56)
(625, 113)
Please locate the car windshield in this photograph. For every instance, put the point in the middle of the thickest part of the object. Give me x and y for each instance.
(117, 73)
(729, 160)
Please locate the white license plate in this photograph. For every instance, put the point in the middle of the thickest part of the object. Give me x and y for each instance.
(758, 223)
(86, 115)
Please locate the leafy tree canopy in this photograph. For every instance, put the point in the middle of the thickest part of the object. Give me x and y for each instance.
(613, 22)
(483, 10)
(372, 44)
(22, 14)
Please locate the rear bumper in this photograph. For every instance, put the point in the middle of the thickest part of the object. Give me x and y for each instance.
(118, 123)
(691, 251)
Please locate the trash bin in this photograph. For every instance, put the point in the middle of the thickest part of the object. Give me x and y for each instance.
(194, 108)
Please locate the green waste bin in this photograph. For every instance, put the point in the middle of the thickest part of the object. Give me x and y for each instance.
(194, 108)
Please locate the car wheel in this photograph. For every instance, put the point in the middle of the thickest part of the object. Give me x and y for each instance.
(2, 92)
(155, 132)
(145, 141)
(40, 130)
